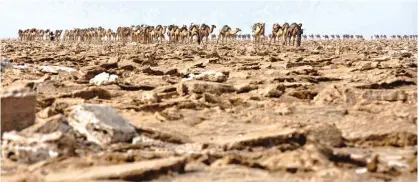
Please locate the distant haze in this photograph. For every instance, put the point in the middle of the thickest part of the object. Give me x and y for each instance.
(367, 17)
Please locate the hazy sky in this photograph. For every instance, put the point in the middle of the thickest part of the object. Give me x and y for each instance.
(365, 17)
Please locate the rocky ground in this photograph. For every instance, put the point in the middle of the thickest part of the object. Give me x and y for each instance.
(329, 111)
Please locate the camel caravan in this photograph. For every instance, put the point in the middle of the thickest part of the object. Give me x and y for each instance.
(287, 34)
(141, 34)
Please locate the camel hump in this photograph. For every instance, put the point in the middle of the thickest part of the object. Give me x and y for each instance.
(225, 28)
(204, 26)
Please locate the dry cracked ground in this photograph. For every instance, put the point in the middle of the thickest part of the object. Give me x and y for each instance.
(329, 111)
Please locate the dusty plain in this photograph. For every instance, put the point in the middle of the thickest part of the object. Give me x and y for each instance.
(332, 110)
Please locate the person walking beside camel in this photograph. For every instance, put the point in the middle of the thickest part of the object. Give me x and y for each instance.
(299, 34)
(51, 36)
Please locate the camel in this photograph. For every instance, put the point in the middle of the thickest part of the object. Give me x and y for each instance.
(151, 33)
(177, 34)
(285, 32)
(205, 31)
(194, 31)
(258, 30)
(20, 34)
(58, 34)
(226, 32)
(173, 33)
(184, 34)
(33, 34)
(311, 36)
(213, 37)
(159, 32)
(276, 32)
(123, 33)
(293, 30)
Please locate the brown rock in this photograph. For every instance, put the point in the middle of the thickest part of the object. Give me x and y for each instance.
(189, 87)
(18, 108)
(274, 91)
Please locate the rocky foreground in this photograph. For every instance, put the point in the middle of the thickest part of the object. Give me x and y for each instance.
(330, 111)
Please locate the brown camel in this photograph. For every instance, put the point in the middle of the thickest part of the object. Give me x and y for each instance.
(276, 32)
(258, 30)
(184, 34)
(226, 32)
(293, 30)
(205, 31)
(172, 33)
(285, 32)
(159, 32)
(194, 31)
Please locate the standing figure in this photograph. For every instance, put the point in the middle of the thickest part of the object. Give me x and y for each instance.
(299, 34)
(51, 36)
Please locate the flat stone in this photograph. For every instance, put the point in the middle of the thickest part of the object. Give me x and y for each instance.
(137, 171)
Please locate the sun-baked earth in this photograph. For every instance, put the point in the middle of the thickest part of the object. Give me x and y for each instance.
(329, 111)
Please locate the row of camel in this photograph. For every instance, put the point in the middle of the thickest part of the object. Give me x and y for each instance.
(140, 33)
(184, 34)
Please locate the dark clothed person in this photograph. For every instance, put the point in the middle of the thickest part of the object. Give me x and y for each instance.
(51, 36)
(299, 35)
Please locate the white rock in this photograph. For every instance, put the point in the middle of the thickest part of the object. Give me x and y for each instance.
(361, 170)
(214, 76)
(21, 67)
(103, 79)
(100, 124)
(397, 164)
(150, 97)
(37, 147)
(55, 69)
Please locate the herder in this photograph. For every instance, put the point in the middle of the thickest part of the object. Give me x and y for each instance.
(51, 36)
(299, 34)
